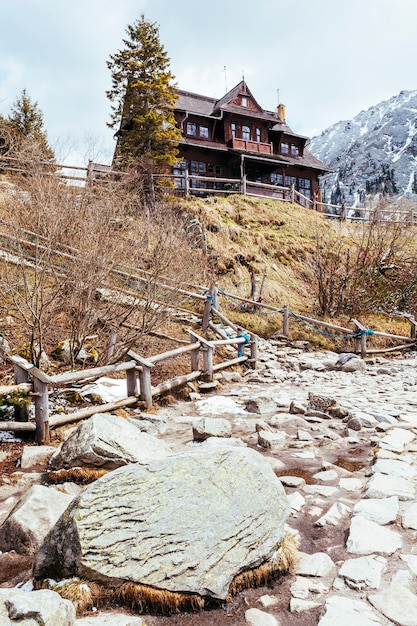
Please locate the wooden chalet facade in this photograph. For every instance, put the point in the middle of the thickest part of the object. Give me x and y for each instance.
(234, 138)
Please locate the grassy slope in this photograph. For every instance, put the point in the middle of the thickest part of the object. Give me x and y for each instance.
(248, 235)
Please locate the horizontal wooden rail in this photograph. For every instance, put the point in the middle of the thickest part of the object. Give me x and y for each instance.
(22, 388)
(171, 353)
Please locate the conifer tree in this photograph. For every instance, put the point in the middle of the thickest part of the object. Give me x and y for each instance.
(143, 95)
(25, 126)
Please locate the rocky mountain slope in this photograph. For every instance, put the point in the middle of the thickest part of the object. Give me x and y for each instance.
(375, 152)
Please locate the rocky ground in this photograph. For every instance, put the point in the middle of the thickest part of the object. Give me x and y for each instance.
(343, 440)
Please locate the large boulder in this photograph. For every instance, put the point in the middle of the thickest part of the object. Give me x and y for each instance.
(32, 518)
(43, 608)
(107, 441)
(186, 523)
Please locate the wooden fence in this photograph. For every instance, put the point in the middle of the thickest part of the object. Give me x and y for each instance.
(35, 385)
(187, 184)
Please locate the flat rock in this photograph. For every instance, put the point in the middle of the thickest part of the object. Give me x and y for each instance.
(107, 441)
(32, 518)
(211, 427)
(396, 440)
(397, 603)
(297, 605)
(409, 517)
(342, 611)
(334, 515)
(35, 455)
(255, 617)
(190, 522)
(318, 564)
(43, 608)
(268, 439)
(383, 486)
(394, 468)
(363, 572)
(261, 404)
(111, 619)
(379, 510)
(366, 537)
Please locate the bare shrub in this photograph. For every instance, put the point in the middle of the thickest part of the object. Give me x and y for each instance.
(80, 260)
(369, 266)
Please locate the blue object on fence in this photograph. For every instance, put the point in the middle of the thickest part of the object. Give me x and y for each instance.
(247, 340)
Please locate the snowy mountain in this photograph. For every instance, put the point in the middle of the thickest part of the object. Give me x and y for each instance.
(375, 152)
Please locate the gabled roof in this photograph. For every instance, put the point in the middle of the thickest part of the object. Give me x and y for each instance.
(211, 107)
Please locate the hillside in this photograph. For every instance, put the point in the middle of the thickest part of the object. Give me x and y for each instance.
(375, 152)
(293, 255)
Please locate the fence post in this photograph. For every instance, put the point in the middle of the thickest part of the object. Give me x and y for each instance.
(253, 350)
(40, 393)
(360, 342)
(195, 356)
(145, 386)
(413, 323)
(186, 183)
(208, 351)
(21, 413)
(132, 382)
(210, 299)
(112, 343)
(243, 184)
(292, 193)
(285, 321)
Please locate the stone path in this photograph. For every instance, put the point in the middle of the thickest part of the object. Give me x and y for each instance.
(350, 480)
(350, 472)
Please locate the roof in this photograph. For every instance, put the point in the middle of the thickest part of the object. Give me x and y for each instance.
(212, 107)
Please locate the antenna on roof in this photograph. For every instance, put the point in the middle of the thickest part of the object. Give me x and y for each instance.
(278, 98)
(243, 75)
(225, 77)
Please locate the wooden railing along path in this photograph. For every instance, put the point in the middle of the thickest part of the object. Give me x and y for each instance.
(36, 384)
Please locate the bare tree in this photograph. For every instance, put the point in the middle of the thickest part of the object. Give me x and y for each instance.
(77, 261)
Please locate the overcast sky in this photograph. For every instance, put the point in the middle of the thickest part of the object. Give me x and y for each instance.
(327, 60)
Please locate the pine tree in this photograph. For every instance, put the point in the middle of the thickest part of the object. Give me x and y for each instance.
(25, 126)
(143, 96)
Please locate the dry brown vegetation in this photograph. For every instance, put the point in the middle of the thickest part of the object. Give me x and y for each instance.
(78, 274)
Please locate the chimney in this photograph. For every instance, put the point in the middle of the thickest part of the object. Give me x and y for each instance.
(281, 112)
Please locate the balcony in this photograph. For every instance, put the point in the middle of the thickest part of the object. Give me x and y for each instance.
(251, 146)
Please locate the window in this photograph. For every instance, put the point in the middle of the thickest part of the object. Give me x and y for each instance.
(276, 179)
(285, 148)
(191, 129)
(244, 101)
(258, 135)
(295, 150)
(290, 180)
(246, 133)
(233, 129)
(204, 132)
(304, 183)
(198, 167)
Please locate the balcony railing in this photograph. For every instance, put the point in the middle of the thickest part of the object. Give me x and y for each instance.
(251, 146)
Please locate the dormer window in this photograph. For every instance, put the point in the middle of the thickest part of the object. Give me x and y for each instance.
(285, 148)
(191, 129)
(295, 151)
(258, 135)
(244, 101)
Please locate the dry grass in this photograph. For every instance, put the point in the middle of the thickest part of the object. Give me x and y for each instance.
(78, 475)
(145, 599)
(282, 563)
(83, 594)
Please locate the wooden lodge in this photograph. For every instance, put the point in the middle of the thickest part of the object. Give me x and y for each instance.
(234, 138)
